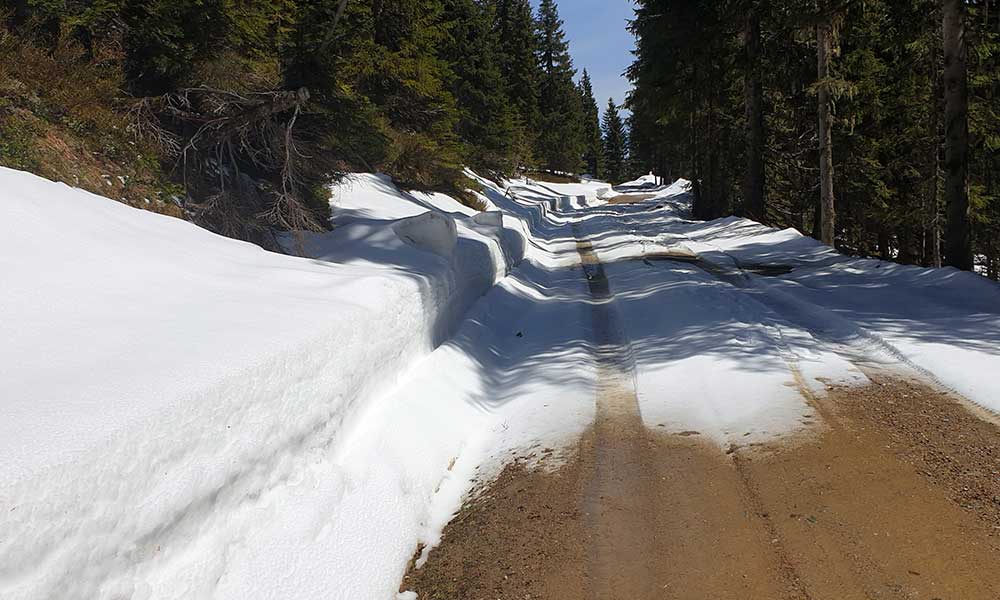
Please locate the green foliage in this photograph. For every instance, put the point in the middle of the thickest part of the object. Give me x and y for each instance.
(17, 148)
(593, 149)
(560, 144)
(984, 127)
(614, 143)
(165, 38)
(680, 118)
(256, 106)
(485, 119)
(514, 24)
(689, 115)
(58, 119)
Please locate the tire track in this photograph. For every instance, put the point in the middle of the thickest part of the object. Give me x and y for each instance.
(629, 463)
(617, 498)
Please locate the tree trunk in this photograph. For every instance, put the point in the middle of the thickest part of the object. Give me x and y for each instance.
(712, 167)
(332, 30)
(826, 202)
(957, 239)
(754, 105)
(934, 216)
(817, 220)
(884, 248)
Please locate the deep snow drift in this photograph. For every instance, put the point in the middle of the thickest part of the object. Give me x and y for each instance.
(187, 416)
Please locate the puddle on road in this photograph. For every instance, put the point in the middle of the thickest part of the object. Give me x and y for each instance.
(768, 270)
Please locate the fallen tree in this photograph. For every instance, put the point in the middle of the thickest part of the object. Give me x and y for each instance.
(245, 162)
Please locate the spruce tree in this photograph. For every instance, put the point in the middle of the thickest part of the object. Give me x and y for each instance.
(514, 23)
(984, 130)
(397, 67)
(633, 165)
(560, 143)
(346, 125)
(614, 143)
(165, 39)
(703, 75)
(824, 51)
(753, 93)
(683, 96)
(591, 127)
(485, 124)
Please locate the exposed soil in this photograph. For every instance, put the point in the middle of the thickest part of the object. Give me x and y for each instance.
(630, 198)
(954, 445)
(895, 498)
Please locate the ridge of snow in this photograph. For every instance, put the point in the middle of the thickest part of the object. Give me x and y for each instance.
(124, 435)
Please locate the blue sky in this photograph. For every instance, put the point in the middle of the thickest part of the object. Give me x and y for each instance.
(600, 43)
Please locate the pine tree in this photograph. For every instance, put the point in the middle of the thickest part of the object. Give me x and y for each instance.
(614, 143)
(514, 23)
(485, 122)
(560, 143)
(592, 156)
(165, 39)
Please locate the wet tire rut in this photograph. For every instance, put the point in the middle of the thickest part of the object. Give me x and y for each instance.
(624, 460)
(617, 498)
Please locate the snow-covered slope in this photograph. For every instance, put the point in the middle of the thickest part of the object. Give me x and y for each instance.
(943, 322)
(159, 381)
(940, 323)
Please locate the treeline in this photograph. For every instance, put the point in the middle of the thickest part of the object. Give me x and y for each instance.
(874, 125)
(256, 106)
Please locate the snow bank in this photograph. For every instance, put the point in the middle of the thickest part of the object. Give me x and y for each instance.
(565, 195)
(511, 377)
(493, 218)
(650, 184)
(681, 186)
(646, 181)
(165, 386)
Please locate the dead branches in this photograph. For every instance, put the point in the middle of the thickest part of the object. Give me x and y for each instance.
(239, 153)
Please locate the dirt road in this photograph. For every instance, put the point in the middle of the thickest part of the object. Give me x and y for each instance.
(893, 493)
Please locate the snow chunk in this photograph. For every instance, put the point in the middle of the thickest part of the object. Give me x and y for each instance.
(431, 231)
(493, 218)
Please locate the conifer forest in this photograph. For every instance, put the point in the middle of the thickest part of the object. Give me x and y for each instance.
(872, 125)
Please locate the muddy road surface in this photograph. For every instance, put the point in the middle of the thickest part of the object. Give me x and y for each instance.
(893, 492)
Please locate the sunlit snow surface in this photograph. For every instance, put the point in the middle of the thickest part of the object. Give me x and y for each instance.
(187, 416)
